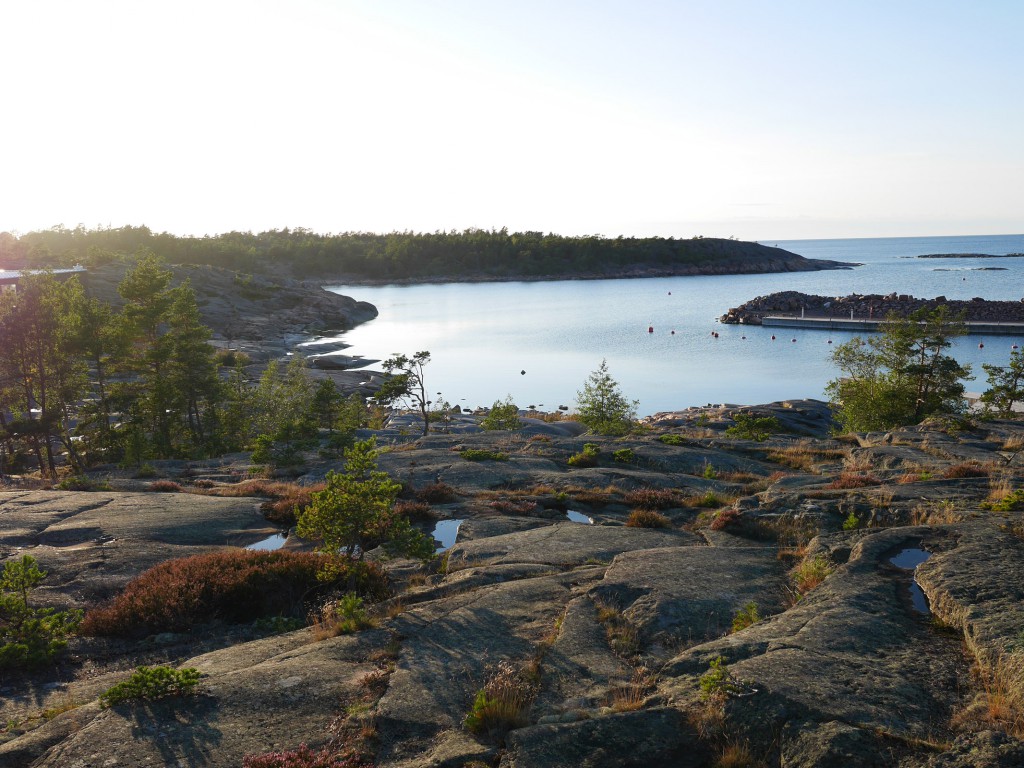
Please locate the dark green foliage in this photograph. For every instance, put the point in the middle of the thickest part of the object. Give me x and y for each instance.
(672, 439)
(503, 415)
(495, 252)
(482, 454)
(718, 681)
(238, 586)
(29, 637)
(602, 407)
(151, 683)
(745, 617)
(585, 458)
(751, 427)
(624, 456)
(900, 376)
(355, 511)
(1006, 386)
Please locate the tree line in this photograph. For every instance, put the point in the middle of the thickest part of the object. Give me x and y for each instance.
(364, 255)
(84, 384)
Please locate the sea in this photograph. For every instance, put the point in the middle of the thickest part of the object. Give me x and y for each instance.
(537, 342)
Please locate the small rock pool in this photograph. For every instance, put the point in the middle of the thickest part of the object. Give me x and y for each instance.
(445, 533)
(908, 560)
(579, 517)
(270, 543)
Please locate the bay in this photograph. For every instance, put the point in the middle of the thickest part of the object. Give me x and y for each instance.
(538, 341)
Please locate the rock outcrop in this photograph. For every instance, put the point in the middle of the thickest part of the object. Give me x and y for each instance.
(628, 638)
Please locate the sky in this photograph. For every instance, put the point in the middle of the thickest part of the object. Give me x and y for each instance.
(725, 118)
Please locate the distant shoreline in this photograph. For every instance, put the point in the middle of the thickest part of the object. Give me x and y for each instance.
(636, 273)
(970, 256)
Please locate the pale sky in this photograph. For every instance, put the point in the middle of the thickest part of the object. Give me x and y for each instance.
(748, 118)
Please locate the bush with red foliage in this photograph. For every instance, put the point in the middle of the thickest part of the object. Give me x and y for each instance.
(417, 511)
(237, 586)
(647, 518)
(725, 518)
(436, 493)
(164, 486)
(967, 469)
(653, 498)
(303, 757)
(847, 480)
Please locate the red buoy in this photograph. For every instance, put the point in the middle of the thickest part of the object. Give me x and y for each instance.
(650, 329)
(981, 345)
(773, 337)
(794, 340)
(673, 333)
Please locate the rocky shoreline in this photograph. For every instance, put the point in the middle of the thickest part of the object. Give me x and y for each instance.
(868, 307)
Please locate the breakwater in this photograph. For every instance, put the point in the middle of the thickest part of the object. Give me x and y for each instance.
(865, 312)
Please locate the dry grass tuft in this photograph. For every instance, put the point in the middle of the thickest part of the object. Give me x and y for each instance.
(503, 703)
(810, 573)
(632, 696)
(1000, 702)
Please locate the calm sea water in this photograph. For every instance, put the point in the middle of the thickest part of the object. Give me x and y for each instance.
(539, 341)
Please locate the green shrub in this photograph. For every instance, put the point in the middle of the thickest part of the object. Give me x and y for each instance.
(146, 472)
(708, 500)
(752, 427)
(672, 439)
(503, 415)
(276, 625)
(624, 455)
(1009, 503)
(238, 586)
(745, 617)
(718, 681)
(585, 458)
(852, 522)
(82, 483)
(29, 637)
(150, 683)
(342, 617)
(709, 472)
(482, 454)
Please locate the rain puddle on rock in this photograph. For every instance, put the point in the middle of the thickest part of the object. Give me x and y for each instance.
(445, 532)
(908, 560)
(270, 543)
(579, 517)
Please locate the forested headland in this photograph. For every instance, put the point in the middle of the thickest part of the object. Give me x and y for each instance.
(472, 254)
